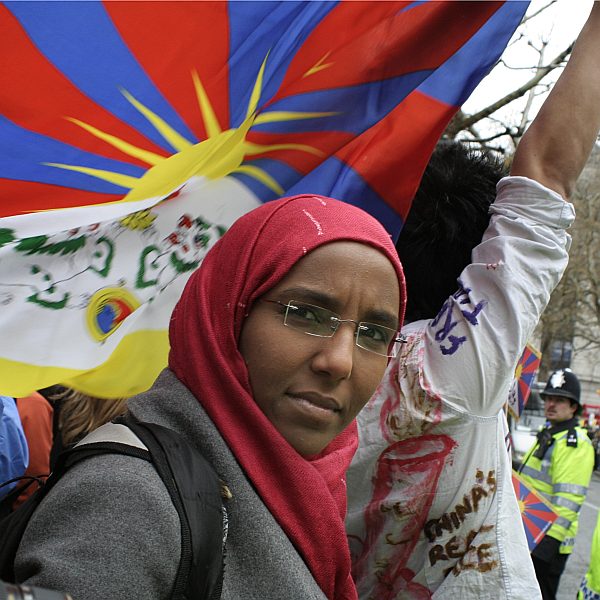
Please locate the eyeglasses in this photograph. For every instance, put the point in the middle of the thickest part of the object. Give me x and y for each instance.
(321, 322)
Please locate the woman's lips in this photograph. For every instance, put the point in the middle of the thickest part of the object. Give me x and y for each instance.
(315, 408)
(318, 400)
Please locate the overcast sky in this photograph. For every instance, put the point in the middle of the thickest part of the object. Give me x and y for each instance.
(559, 25)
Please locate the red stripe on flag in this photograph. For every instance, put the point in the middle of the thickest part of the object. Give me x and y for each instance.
(392, 155)
(365, 40)
(532, 528)
(170, 40)
(326, 142)
(46, 97)
(21, 197)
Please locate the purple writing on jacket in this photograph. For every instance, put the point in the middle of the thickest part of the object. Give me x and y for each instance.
(449, 342)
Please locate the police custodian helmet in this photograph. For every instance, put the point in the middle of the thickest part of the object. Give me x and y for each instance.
(563, 383)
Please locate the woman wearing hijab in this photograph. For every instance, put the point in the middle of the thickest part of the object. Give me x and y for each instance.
(269, 406)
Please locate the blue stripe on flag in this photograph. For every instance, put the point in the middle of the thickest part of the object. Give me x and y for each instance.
(84, 45)
(336, 179)
(23, 152)
(358, 107)
(280, 171)
(332, 178)
(256, 29)
(413, 5)
(454, 81)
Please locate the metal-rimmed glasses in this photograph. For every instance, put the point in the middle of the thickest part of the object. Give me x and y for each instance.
(321, 322)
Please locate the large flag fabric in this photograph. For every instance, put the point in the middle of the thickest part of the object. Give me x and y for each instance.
(133, 134)
(537, 514)
(525, 373)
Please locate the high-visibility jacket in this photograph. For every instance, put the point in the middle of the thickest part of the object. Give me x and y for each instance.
(562, 477)
(590, 586)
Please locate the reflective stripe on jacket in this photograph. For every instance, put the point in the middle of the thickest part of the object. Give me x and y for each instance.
(590, 586)
(562, 477)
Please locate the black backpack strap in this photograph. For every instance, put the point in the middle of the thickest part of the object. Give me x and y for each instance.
(12, 527)
(29, 479)
(193, 487)
(195, 490)
(23, 482)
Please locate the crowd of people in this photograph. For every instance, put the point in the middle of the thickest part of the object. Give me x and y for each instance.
(349, 395)
(34, 431)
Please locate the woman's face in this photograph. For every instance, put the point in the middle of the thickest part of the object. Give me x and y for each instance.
(310, 387)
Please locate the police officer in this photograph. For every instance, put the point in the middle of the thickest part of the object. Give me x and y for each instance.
(559, 466)
(590, 586)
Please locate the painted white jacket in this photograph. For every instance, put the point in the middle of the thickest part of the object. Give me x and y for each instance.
(431, 508)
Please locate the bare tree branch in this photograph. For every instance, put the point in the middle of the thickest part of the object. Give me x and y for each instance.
(470, 120)
(527, 18)
(491, 138)
(531, 93)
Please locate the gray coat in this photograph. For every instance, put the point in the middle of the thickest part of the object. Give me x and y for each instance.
(109, 528)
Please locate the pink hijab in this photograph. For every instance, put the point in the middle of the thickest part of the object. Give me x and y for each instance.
(307, 497)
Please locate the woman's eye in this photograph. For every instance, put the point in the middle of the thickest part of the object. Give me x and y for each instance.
(374, 333)
(306, 313)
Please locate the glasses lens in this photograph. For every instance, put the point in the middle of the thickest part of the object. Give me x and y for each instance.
(310, 319)
(377, 338)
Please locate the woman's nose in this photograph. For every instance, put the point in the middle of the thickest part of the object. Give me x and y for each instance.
(336, 354)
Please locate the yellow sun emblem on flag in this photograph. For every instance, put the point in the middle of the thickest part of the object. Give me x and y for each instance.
(222, 153)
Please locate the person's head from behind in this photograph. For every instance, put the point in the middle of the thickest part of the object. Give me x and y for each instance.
(561, 396)
(447, 219)
(80, 414)
(306, 297)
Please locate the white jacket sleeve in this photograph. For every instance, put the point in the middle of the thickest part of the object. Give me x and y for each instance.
(472, 347)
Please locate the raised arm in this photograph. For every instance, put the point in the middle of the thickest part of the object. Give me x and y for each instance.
(555, 148)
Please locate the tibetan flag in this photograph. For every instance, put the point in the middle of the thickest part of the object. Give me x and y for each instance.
(537, 514)
(133, 134)
(525, 373)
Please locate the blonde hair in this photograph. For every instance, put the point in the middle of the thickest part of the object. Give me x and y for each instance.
(79, 414)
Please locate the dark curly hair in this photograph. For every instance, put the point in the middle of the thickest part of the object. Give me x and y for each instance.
(448, 217)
